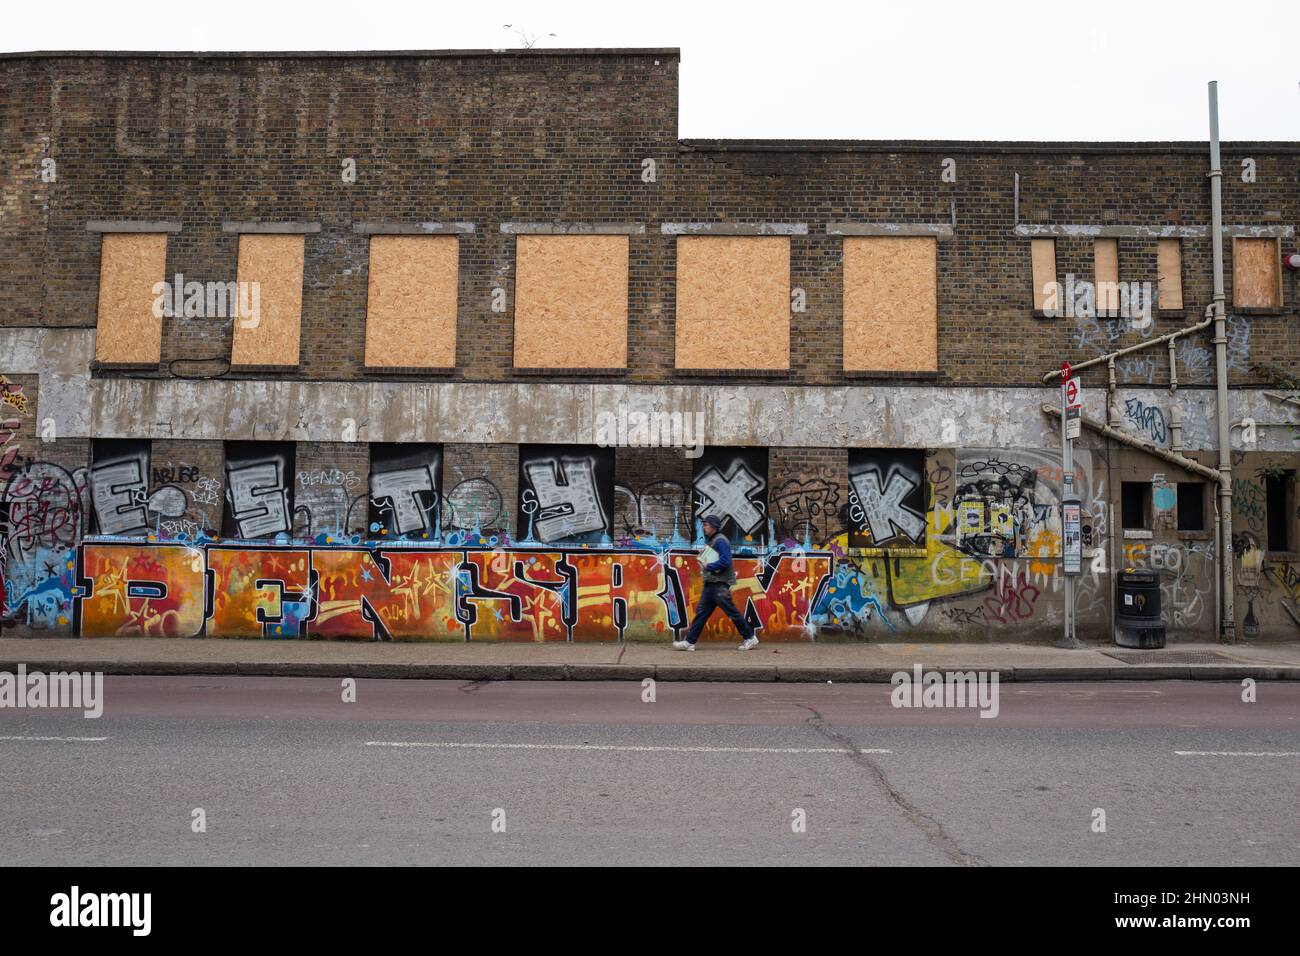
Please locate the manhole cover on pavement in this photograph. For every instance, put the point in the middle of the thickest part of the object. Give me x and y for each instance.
(1170, 657)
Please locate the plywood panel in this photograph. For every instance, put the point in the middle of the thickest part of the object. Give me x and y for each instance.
(411, 304)
(733, 302)
(271, 337)
(890, 304)
(571, 301)
(130, 265)
(1256, 274)
(1043, 253)
(1169, 273)
(1105, 267)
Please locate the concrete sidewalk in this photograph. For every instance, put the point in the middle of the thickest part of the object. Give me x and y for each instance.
(635, 661)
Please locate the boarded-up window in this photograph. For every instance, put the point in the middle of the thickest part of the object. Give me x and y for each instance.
(1105, 266)
(1043, 252)
(269, 335)
(1256, 274)
(127, 331)
(411, 303)
(1169, 273)
(571, 301)
(733, 302)
(890, 304)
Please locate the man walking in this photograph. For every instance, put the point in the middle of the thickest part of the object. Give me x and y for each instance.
(719, 576)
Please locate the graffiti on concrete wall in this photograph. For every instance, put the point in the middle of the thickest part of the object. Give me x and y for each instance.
(1147, 421)
(414, 593)
(42, 508)
(989, 556)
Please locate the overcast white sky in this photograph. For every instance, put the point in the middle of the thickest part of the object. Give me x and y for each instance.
(901, 69)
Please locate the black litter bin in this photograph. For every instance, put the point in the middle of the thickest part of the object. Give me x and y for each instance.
(1137, 619)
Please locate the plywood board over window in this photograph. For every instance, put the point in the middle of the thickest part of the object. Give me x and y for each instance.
(890, 304)
(1169, 273)
(269, 337)
(411, 302)
(733, 302)
(1256, 273)
(571, 302)
(1105, 266)
(127, 332)
(1043, 255)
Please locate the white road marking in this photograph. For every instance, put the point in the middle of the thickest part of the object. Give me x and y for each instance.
(624, 748)
(80, 740)
(1238, 753)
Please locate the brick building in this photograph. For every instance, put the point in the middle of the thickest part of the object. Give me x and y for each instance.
(356, 345)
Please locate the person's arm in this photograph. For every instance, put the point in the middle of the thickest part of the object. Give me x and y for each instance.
(723, 547)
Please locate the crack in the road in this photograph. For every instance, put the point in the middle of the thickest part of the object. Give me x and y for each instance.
(928, 825)
(475, 685)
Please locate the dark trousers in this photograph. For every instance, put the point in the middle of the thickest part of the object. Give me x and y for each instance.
(717, 596)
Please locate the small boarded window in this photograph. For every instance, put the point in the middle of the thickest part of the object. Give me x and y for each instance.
(733, 302)
(1105, 266)
(269, 273)
(128, 329)
(1256, 274)
(890, 304)
(1043, 252)
(1169, 273)
(411, 302)
(571, 302)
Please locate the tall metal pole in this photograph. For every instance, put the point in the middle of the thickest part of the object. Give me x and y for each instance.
(1228, 621)
(1068, 498)
(1067, 489)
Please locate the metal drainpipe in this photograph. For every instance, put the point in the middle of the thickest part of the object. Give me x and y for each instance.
(1228, 620)
(1175, 413)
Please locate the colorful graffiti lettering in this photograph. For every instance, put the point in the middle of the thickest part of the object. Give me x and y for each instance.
(222, 590)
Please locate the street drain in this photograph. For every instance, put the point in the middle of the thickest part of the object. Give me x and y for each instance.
(1170, 657)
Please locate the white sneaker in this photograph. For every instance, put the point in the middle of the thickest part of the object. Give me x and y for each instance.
(747, 644)
(683, 646)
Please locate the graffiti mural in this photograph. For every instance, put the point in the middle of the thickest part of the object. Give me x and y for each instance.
(413, 593)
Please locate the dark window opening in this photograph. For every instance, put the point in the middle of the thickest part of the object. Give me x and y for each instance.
(1279, 495)
(1135, 505)
(1191, 506)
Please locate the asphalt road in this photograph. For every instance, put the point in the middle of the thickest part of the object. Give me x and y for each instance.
(418, 772)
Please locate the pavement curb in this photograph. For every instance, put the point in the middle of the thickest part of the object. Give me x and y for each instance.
(876, 674)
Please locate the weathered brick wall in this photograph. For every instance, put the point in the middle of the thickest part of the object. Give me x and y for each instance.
(330, 488)
(480, 487)
(808, 493)
(197, 468)
(516, 137)
(652, 493)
